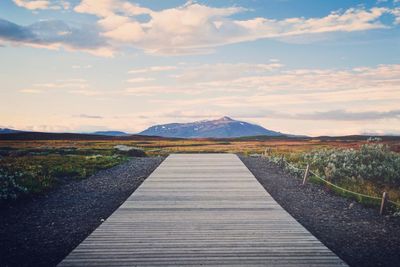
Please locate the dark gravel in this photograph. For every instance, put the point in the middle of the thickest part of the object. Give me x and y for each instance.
(358, 235)
(41, 231)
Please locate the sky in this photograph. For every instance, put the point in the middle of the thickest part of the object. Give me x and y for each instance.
(296, 66)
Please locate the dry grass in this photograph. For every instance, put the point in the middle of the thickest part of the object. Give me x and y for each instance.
(194, 146)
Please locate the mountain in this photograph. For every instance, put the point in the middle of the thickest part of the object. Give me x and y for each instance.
(76, 136)
(8, 131)
(111, 133)
(224, 127)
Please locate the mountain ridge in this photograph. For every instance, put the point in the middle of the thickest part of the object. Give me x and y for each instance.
(111, 133)
(8, 131)
(224, 127)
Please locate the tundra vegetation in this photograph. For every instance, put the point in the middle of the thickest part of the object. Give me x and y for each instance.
(32, 167)
(33, 170)
(371, 169)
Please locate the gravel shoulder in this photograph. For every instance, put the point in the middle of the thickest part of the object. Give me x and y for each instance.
(359, 235)
(42, 230)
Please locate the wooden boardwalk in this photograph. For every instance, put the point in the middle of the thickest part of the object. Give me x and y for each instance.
(201, 209)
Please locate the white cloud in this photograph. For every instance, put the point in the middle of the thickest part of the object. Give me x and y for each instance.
(88, 116)
(396, 13)
(31, 91)
(197, 28)
(272, 84)
(139, 80)
(65, 4)
(306, 80)
(46, 34)
(121, 29)
(35, 4)
(42, 4)
(152, 69)
(305, 91)
(105, 8)
(86, 92)
(188, 29)
(150, 90)
(224, 71)
(76, 84)
(67, 83)
(81, 66)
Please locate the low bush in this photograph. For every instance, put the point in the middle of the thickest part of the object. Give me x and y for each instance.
(369, 170)
(135, 152)
(35, 174)
(373, 162)
(9, 189)
(129, 151)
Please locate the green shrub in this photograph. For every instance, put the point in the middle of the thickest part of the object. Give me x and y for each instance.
(369, 170)
(372, 162)
(130, 151)
(37, 173)
(9, 189)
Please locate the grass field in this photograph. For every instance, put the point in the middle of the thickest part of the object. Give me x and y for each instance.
(28, 166)
(165, 146)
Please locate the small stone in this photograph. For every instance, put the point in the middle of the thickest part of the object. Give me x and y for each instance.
(351, 205)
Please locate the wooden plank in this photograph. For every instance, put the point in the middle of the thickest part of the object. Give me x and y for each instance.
(201, 209)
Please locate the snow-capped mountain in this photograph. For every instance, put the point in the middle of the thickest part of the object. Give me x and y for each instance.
(224, 127)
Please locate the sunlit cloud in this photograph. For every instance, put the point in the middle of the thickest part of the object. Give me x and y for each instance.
(31, 91)
(153, 69)
(149, 90)
(195, 28)
(56, 34)
(139, 80)
(192, 28)
(81, 66)
(86, 116)
(65, 84)
(86, 92)
(42, 4)
(275, 81)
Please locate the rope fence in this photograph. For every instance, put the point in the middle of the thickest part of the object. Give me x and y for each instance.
(383, 201)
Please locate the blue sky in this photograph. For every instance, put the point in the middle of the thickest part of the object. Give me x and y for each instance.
(302, 67)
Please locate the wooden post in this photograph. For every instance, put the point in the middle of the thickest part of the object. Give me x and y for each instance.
(265, 153)
(306, 174)
(282, 161)
(383, 203)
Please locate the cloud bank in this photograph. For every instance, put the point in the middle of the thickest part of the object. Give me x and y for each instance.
(54, 34)
(188, 29)
(42, 4)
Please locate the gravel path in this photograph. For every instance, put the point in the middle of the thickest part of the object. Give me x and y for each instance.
(43, 230)
(359, 235)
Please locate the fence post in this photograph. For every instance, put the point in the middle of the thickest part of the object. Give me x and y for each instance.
(306, 174)
(383, 203)
(265, 153)
(282, 161)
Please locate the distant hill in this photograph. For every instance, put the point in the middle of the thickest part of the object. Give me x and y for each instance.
(224, 127)
(8, 131)
(111, 133)
(74, 136)
(29, 133)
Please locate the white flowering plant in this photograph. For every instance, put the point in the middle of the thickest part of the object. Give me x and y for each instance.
(9, 188)
(373, 162)
(371, 169)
